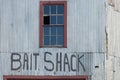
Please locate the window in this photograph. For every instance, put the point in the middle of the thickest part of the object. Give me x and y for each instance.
(45, 77)
(53, 24)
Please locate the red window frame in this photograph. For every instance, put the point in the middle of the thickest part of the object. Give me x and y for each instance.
(42, 3)
(46, 77)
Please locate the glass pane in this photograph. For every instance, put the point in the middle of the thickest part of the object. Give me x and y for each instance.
(47, 30)
(60, 40)
(60, 20)
(46, 40)
(60, 30)
(53, 40)
(46, 9)
(53, 19)
(60, 9)
(53, 9)
(53, 30)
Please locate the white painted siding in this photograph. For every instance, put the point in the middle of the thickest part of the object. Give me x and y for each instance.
(19, 33)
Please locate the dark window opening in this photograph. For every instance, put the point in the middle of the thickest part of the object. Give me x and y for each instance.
(46, 20)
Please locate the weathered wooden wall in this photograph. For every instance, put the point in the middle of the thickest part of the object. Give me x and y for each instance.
(113, 31)
(19, 33)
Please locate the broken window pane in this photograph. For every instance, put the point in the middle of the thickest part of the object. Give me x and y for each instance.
(46, 20)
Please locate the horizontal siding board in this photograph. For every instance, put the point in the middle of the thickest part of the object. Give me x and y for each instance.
(86, 67)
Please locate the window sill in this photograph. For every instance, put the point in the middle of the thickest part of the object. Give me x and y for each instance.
(52, 47)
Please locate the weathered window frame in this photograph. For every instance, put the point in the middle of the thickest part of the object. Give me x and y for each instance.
(46, 77)
(42, 3)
